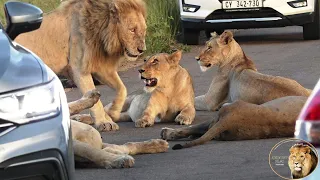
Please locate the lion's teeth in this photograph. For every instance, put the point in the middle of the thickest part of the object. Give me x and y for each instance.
(145, 81)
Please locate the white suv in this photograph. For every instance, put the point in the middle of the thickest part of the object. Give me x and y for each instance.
(218, 15)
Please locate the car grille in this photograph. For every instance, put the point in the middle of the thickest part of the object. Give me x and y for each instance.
(6, 127)
(256, 13)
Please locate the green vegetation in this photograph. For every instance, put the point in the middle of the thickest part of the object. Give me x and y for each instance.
(163, 26)
(162, 22)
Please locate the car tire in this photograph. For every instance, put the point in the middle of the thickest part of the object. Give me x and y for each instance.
(209, 31)
(311, 31)
(190, 36)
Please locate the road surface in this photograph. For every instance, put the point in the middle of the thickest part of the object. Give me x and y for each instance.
(276, 51)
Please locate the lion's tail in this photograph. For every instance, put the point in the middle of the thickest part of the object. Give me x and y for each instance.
(214, 131)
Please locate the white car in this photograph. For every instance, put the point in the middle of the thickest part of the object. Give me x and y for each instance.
(218, 15)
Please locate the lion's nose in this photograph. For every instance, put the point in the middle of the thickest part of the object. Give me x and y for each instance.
(197, 58)
(296, 163)
(141, 70)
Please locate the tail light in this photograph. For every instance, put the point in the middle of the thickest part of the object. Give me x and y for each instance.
(308, 123)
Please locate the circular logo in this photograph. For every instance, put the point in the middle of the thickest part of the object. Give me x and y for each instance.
(293, 158)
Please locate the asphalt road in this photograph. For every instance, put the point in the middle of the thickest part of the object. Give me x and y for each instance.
(280, 52)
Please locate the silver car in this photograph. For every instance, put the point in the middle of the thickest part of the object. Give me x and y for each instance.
(35, 132)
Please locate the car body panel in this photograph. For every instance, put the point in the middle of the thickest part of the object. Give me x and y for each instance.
(17, 65)
(208, 6)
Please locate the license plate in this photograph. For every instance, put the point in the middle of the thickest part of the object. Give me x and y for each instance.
(241, 4)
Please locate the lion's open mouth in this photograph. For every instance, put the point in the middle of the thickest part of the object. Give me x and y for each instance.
(129, 54)
(150, 82)
(297, 168)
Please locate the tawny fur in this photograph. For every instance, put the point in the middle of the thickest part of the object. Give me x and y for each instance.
(88, 146)
(244, 121)
(82, 38)
(170, 100)
(237, 77)
(302, 161)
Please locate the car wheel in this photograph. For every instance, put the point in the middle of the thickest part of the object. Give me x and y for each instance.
(190, 36)
(311, 31)
(209, 31)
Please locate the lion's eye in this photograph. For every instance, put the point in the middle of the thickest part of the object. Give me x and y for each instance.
(209, 47)
(155, 61)
(145, 60)
(133, 30)
(301, 156)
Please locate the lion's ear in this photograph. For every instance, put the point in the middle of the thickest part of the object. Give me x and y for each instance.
(175, 57)
(114, 13)
(226, 37)
(214, 34)
(291, 150)
(308, 150)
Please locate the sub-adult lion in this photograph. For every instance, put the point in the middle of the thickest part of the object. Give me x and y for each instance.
(237, 77)
(168, 93)
(89, 148)
(243, 121)
(85, 38)
(302, 161)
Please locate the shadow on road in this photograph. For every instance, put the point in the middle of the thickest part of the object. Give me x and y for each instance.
(265, 36)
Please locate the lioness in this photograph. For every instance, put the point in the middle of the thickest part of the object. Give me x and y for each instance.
(168, 94)
(237, 77)
(243, 121)
(82, 38)
(89, 148)
(302, 161)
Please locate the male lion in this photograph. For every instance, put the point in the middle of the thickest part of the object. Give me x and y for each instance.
(302, 161)
(243, 121)
(168, 94)
(237, 77)
(89, 148)
(82, 38)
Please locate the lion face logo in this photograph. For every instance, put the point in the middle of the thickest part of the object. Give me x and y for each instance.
(158, 68)
(216, 51)
(302, 160)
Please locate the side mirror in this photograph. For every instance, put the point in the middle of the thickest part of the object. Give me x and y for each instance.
(21, 17)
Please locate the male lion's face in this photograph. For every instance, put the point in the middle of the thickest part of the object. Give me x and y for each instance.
(132, 32)
(299, 157)
(158, 69)
(215, 51)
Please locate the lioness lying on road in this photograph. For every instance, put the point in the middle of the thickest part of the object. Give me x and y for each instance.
(244, 121)
(89, 148)
(237, 77)
(168, 94)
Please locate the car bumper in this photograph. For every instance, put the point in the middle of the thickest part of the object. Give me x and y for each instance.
(41, 149)
(246, 23)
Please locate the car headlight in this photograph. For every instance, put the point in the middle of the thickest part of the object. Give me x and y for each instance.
(31, 104)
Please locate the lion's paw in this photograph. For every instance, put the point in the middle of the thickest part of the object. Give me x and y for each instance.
(183, 120)
(93, 94)
(144, 122)
(125, 161)
(168, 134)
(106, 126)
(158, 145)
